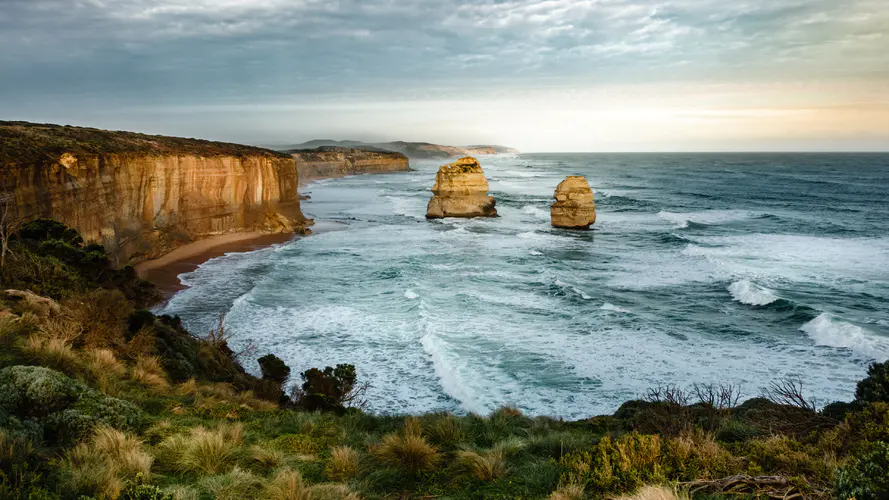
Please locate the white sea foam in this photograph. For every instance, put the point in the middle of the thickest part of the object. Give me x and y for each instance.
(535, 211)
(747, 292)
(535, 253)
(611, 307)
(830, 331)
(451, 382)
(410, 294)
(681, 219)
(569, 286)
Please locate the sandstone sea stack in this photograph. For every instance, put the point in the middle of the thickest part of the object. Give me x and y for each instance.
(461, 190)
(574, 207)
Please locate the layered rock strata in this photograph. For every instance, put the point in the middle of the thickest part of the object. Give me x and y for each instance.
(574, 207)
(461, 190)
(328, 161)
(143, 196)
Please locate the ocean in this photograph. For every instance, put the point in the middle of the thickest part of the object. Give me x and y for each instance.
(701, 268)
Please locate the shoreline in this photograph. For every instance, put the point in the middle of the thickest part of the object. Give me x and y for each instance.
(165, 270)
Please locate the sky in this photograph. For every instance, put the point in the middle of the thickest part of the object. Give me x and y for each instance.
(552, 75)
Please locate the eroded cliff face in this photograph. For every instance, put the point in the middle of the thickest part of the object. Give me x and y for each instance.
(461, 190)
(574, 207)
(326, 162)
(148, 200)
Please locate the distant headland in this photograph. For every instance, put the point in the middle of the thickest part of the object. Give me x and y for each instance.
(414, 150)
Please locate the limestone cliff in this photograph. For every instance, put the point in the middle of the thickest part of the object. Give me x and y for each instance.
(461, 190)
(574, 207)
(328, 161)
(142, 196)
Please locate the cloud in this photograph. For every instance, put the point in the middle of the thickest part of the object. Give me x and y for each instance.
(84, 54)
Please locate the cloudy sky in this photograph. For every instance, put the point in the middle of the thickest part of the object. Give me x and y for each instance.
(552, 75)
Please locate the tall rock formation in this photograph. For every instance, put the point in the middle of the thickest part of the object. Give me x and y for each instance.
(142, 196)
(574, 207)
(461, 190)
(331, 161)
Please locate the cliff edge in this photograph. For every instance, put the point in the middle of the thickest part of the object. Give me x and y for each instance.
(142, 196)
(415, 150)
(331, 161)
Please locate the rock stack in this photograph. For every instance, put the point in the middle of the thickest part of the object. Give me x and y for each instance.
(574, 207)
(461, 190)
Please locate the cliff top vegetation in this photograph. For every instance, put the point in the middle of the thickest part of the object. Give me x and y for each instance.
(24, 143)
(101, 399)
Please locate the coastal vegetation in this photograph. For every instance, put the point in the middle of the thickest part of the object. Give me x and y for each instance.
(102, 399)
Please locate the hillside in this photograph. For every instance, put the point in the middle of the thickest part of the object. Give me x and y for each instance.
(337, 161)
(415, 150)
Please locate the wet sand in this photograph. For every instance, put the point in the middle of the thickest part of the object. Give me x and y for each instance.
(164, 271)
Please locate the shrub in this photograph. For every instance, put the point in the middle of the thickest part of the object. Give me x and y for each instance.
(39, 230)
(875, 387)
(144, 492)
(65, 408)
(866, 476)
(619, 465)
(695, 455)
(343, 464)
(407, 451)
(328, 389)
(274, 369)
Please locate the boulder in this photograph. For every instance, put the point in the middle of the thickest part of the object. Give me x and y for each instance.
(574, 207)
(461, 190)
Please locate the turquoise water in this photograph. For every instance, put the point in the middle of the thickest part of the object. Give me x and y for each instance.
(701, 268)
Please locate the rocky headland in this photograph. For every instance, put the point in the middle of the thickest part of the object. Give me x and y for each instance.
(574, 207)
(143, 196)
(334, 161)
(461, 190)
(415, 150)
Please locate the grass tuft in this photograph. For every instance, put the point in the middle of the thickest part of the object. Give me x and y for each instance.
(407, 451)
(236, 484)
(655, 493)
(148, 370)
(343, 464)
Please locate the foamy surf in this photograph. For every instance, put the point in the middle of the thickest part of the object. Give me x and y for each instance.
(827, 330)
(681, 219)
(410, 294)
(747, 292)
(608, 306)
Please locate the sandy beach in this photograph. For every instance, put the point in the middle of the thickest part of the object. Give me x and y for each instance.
(164, 271)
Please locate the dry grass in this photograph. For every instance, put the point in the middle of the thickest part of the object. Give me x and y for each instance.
(88, 471)
(485, 466)
(568, 492)
(125, 451)
(236, 484)
(51, 352)
(267, 457)
(287, 485)
(182, 492)
(61, 328)
(343, 464)
(655, 493)
(202, 451)
(187, 388)
(148, 370)
(407, 451)
(446, 431)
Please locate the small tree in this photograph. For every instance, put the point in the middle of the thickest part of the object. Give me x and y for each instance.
(874, 388)
(330, 389)
(274, 369)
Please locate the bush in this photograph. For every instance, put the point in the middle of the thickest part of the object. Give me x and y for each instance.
(328, 389)
(866, 476)
(40, 230)
(874, 388)
(274, 369)
(619, 465)
(144, 492)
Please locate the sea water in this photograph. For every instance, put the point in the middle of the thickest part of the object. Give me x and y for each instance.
(703, 268)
